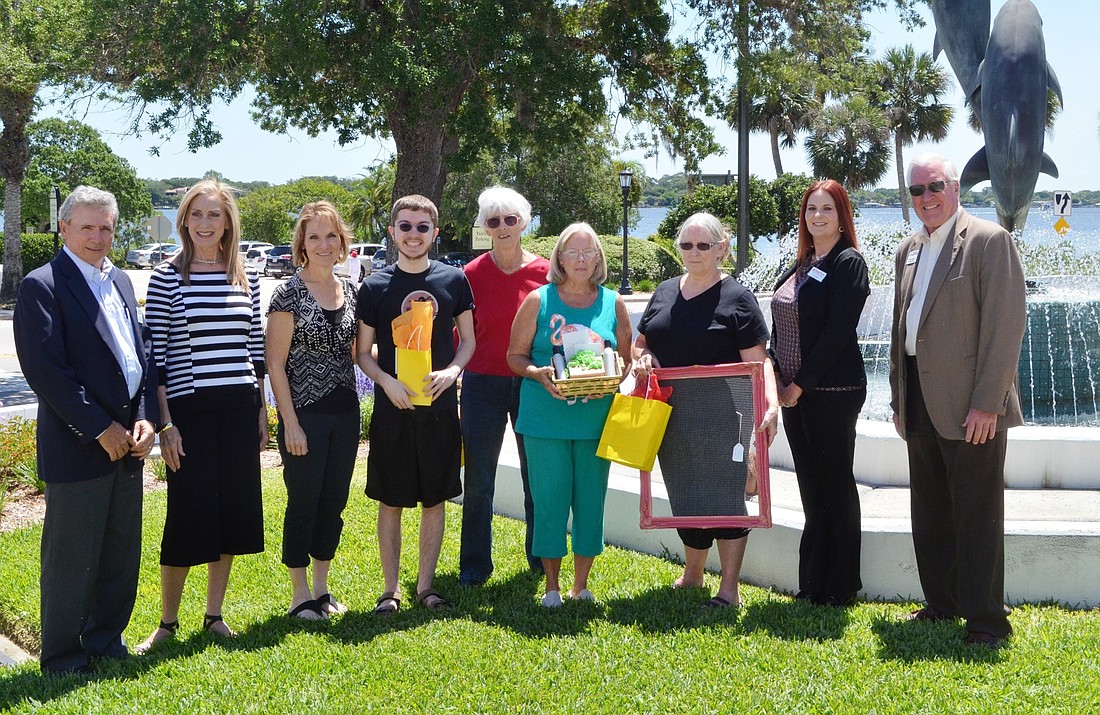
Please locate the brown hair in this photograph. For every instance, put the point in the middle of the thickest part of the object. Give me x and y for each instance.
(316, 210)
(230, 240)
(844, 216)
(415, 202)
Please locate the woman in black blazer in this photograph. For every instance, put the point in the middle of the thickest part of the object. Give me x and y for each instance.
(819, 371)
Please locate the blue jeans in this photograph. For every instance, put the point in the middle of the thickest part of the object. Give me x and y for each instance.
(487, 403)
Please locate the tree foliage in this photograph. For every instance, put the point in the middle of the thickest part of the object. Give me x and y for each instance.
(68, 154)
(450, 78)
(909, 87)
(268, 214)
(722, 202)
(850, 143)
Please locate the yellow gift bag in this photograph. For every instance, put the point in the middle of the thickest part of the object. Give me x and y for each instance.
(635, 427)
(412, 334)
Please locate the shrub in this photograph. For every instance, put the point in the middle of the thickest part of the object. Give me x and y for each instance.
(366, 412)
(649, 260)
(158, 468)
(272, 425)
(18, 460)
(722, 202)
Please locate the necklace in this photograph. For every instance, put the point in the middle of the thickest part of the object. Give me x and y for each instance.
(502, 267)
(206, 262)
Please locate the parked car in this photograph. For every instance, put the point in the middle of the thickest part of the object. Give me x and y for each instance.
(458, 259)
(255, 258)
(378, 260)
(246, 246)
(366, 253)
(163, 254)
(142, 257)
(279, 261)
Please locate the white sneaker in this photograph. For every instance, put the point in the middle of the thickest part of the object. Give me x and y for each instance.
(552, 599)
(584, 595)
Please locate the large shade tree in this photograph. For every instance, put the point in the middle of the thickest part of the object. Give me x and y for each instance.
(910, 86)
(69, 153)
(447, 79)
(40, 44)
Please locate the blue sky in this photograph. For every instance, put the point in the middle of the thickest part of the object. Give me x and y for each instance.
(248, 153)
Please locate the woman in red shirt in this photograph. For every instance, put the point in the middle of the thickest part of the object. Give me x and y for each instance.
(500, 279)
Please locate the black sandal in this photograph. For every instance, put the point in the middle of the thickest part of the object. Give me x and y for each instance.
(208, 622)
(171, 628)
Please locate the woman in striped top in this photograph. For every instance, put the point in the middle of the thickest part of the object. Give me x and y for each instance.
(204, 313)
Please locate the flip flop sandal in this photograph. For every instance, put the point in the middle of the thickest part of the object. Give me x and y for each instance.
(327, 600)
(439, 604)
(382, 607)
(310, 606)
(716, 602)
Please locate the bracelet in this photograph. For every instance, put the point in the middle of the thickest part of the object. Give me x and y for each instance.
(167, 426)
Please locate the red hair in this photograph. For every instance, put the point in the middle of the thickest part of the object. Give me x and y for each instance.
(844, 215)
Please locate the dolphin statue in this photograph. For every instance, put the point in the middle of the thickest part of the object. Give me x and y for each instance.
(1013, 79)
(962, 30)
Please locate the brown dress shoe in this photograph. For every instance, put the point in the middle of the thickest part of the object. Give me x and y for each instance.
(986, 640)
(926, 614)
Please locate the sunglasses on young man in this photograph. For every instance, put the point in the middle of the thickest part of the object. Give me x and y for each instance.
(934, 186)
(494, 222)
(405, 226)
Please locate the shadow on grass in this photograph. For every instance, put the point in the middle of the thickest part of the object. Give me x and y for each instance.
(791, 620)
(663, 609)
(910, 642)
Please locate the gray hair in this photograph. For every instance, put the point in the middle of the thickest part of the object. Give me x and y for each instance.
(88, 196)
(931, 158)
(710, 224)
(556, 274)
(502, 201)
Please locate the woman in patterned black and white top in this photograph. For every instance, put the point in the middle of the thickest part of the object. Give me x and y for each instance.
(310, 342)
(204, 313)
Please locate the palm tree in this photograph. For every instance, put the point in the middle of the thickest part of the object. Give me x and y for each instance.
(782, 101)
(370, 214)
(909, 89)
(850, 143)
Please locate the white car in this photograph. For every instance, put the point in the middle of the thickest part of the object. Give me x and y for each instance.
(247, 246)
(149, 255)
(366, 252)
(255, 258)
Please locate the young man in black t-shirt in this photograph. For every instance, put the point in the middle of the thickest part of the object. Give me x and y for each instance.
(415, 453)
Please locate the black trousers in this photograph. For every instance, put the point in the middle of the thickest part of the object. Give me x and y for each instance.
(957, 496)
(91, 550)
(821, 430)
(317, 485)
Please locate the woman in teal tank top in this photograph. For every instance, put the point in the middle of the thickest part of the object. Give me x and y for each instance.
(561, 435)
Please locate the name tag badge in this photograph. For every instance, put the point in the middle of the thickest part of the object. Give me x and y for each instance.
(912, 257)
(817, 274)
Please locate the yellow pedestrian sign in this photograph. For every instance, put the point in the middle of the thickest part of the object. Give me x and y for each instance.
(1061, 226)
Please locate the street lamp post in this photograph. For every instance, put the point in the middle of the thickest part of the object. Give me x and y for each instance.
(626, 178)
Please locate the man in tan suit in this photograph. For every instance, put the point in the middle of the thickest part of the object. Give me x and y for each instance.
(959, 318)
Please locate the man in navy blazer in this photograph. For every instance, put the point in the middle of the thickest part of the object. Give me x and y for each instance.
(87, 356)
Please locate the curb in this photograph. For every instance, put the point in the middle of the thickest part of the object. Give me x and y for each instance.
(12, 655)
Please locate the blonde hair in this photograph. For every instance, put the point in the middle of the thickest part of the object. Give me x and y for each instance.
(556, 274)
(230, 240)
(318, 210)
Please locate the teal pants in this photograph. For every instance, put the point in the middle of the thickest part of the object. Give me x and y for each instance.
(566, 475)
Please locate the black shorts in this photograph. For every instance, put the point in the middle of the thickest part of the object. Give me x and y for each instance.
(702, 539)
(415, 457)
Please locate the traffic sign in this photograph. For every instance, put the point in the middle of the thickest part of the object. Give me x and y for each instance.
(1061, 226)
(482, 241)
(1063, 203)
(160, 228)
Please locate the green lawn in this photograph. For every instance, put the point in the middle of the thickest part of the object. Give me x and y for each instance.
(642, 648)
